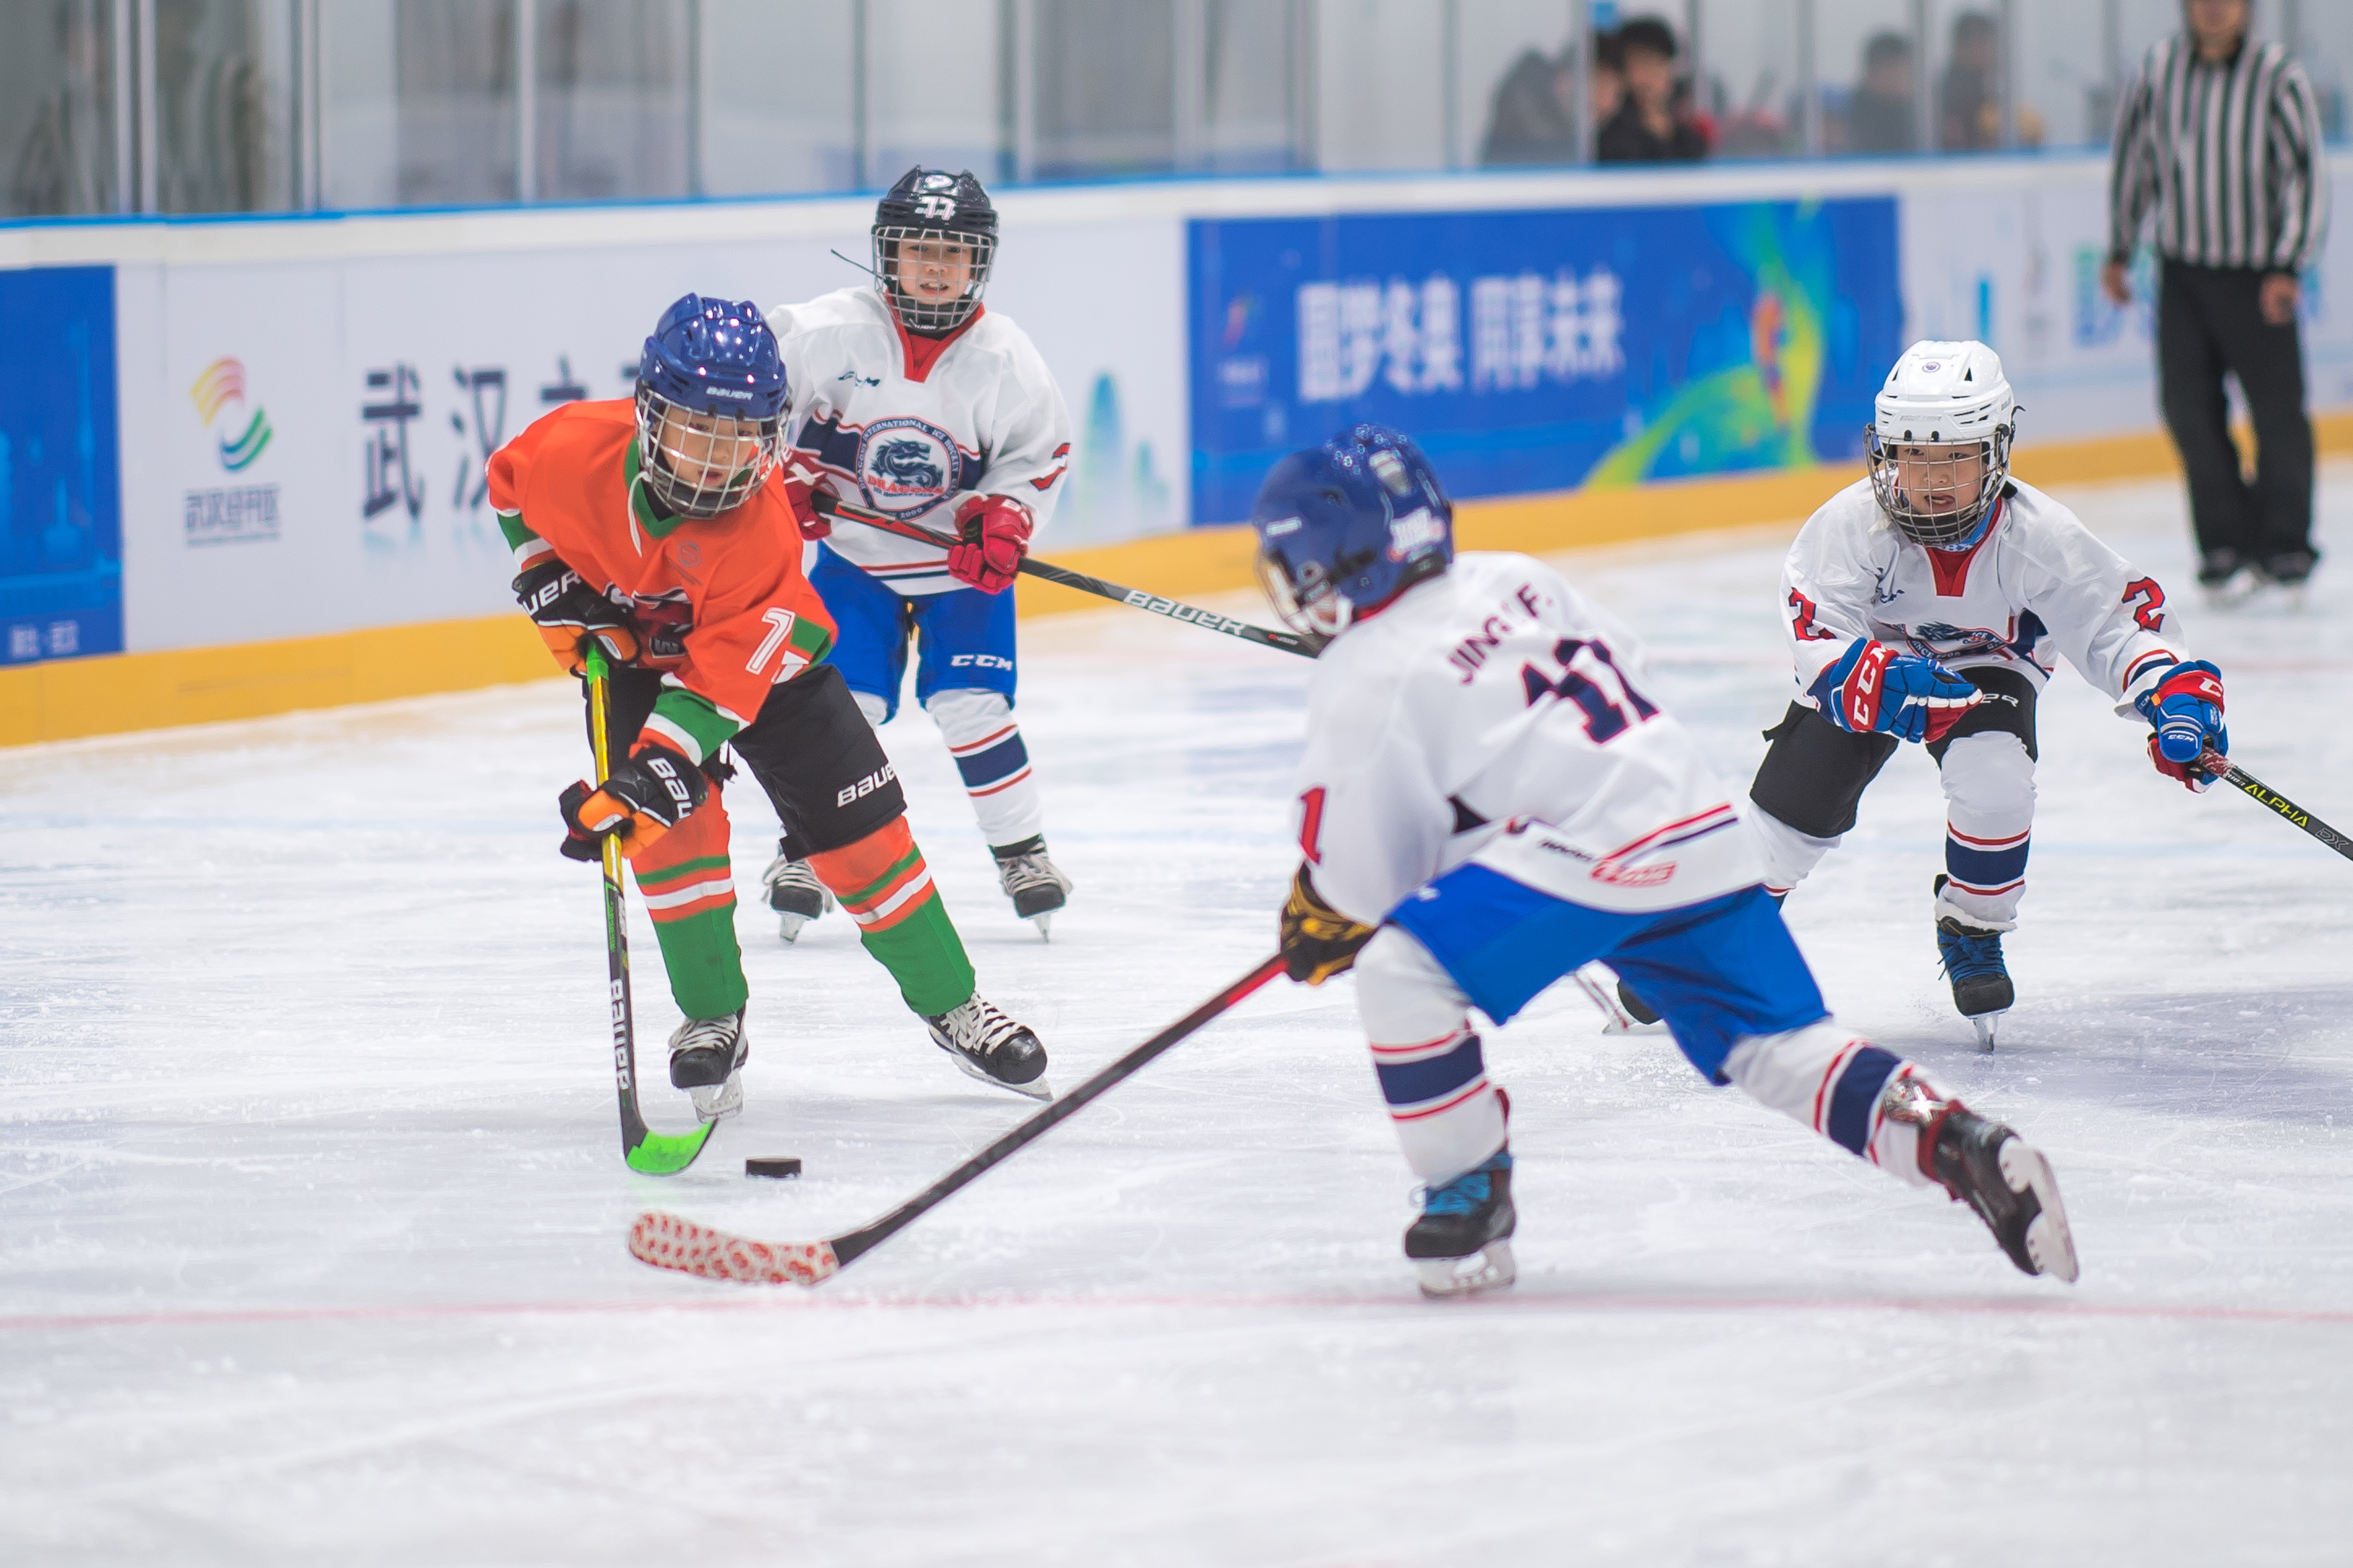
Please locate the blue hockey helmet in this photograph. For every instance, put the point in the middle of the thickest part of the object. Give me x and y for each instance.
(711, 405)
(1345, 527)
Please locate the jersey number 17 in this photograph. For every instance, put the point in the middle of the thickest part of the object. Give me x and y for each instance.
(1600, 688)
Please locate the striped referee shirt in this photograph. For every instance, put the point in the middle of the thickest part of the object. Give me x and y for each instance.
(2227, 154)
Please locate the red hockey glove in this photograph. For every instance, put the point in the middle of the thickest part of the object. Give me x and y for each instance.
(647, 795)
(568, 613)
(799, 485)
(996, 534)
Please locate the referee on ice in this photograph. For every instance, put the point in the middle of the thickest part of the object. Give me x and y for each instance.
(2219, 138)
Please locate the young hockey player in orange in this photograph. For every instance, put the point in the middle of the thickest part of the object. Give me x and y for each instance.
(650, 528)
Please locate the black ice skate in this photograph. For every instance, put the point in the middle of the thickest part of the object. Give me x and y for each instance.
(706, 1059)
(1034, 883)
(1972, 961)
(993, 1047)
(794, 892)
(1462, 1241)
(1999, 1174)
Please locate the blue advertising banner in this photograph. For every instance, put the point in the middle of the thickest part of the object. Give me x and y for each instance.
(61, 478)
(1543, 351)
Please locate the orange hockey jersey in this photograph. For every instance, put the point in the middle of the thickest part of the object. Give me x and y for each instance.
(719, 605)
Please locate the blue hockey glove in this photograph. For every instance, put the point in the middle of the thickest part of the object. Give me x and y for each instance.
(2185, 708)
(1871, 688)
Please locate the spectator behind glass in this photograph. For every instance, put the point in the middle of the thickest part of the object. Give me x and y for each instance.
(1879, 116)
(1606, 93)
(1645, 129)
(1968, 111)
(1534, 117)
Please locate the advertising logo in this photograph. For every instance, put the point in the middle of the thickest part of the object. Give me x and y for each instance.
(223, 384)
(233, 514)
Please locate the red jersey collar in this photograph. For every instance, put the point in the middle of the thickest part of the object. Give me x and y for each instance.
(920, 355)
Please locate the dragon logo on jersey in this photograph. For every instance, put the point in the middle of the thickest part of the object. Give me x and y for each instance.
(1936, 639)
(905, 466)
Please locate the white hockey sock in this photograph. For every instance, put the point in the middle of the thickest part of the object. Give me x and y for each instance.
(1988, 812)
(978, 727)
(1837, 1084)
(872, 706)
(1432, 1070)
(1789, 854)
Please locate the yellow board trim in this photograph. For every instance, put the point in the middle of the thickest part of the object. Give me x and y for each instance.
(112, 693)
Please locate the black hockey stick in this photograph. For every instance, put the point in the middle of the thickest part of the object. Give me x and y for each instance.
(1134, 598)
(2262, 794)
(655, 1153)
(667, 1241)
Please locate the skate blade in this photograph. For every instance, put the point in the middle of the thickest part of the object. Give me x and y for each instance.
(1045, 924)
(1985, 1023)
(2049, 1240)
(789, 926)
(1036, 1089)
(1489, 1268)
(713, 1100)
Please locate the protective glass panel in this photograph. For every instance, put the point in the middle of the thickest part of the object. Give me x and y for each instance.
(934, 81)
(417, 102)
(2064, 96)
(1750, 91)
(1104, 75)
(1867, 62)
(1375, 106)
(758, 139)
(612, 106)
(225, 106)
(1514, 95)
(56, 110)
(1248, 68)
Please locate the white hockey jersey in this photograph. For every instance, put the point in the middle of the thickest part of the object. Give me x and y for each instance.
(1496, 713)
(2037, 586)
(907, 426)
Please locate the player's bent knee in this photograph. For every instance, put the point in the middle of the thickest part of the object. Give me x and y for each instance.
(1404, 994)
(969, 713)
(1988, 776)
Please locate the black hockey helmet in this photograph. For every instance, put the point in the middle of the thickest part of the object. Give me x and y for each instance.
(948, 210)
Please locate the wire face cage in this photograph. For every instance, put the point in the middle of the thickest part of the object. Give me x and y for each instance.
(1938, 500)
(700, 465)
(932, 276)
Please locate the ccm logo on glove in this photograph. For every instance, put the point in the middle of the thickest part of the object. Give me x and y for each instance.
(2185, 711)
(1872, 688)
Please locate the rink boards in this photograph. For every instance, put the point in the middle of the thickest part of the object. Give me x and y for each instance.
(251, 480)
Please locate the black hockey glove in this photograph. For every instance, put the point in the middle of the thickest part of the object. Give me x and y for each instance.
(568, 612)
(1318, 940)
(647, 795)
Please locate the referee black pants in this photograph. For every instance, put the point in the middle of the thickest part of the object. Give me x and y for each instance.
(2208, 321)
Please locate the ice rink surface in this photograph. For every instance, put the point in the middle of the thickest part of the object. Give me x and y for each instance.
(312, 1210)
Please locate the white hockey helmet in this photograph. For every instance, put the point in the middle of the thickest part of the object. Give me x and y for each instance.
(1950, 410)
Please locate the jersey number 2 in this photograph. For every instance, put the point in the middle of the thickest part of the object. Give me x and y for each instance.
(2148, 601)
(1605, 718)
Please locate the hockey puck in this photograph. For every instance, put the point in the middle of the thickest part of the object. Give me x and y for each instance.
(772, 1165)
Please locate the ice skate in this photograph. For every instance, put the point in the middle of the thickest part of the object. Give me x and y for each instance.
(1972, 962)
(1999, 1174)
(992, 1048)
(793, 893)
(706, 1059)
(1462, 1241)
(1034, 883)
